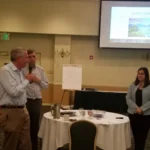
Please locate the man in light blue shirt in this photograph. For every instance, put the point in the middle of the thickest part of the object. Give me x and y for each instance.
(14, 118)
(34, 95)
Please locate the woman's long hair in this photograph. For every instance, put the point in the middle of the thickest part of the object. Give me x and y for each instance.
(146, 81)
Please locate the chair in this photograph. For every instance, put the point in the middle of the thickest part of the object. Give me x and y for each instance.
(82, 136)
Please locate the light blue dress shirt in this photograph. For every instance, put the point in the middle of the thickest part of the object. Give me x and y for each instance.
(34, 89)
(12, 86)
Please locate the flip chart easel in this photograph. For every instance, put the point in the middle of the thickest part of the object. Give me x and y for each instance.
(71, 78)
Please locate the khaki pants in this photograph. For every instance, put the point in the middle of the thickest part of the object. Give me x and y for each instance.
(16, 125)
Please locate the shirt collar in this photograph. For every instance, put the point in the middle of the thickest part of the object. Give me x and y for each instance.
(14, 68)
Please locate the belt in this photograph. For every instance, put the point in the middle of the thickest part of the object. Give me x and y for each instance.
(34, 99)
(12, 106)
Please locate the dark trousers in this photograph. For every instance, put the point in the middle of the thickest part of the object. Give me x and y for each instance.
(140, 126)
(34, 109)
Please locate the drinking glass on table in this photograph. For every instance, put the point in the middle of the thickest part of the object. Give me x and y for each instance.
(99, 114)
(82, 112)
(90, 114)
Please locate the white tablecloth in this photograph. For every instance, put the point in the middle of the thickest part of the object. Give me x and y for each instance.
(113, 134)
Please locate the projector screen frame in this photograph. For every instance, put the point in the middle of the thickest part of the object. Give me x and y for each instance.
(99, 30)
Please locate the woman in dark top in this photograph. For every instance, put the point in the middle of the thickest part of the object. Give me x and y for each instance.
(138, 101)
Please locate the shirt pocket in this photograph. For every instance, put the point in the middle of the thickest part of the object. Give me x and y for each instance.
(37, 74)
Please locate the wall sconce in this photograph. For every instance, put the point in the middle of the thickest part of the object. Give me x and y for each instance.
(63, 53)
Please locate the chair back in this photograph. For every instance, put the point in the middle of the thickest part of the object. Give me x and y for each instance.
(83, 135)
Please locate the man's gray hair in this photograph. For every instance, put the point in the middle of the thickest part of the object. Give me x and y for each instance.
(16, 52)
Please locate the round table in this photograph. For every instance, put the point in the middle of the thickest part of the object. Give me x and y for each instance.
(113, 133)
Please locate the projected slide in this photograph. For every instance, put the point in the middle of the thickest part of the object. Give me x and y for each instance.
(130, 23)
(139, 27)
(125, 24)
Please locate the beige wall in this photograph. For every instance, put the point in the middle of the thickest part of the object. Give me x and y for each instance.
(109, 67)
(75, 17)
(43, 44)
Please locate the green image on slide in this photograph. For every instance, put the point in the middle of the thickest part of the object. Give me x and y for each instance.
(139, 27)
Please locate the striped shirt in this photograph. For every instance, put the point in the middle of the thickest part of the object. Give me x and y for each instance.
(12, 86)
(34, 89)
